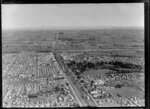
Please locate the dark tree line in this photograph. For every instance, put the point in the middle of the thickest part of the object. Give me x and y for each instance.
(126, 65)
(116, 66)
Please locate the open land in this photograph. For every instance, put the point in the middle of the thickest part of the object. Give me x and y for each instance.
(72, 68)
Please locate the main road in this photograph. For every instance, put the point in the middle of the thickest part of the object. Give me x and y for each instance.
(106, 49)
(85, 98)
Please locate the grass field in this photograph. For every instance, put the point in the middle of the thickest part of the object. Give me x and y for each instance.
(126, 92)
(95, 72)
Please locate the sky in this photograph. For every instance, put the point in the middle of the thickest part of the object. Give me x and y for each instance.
(59, 16)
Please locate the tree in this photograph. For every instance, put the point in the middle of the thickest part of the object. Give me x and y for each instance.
(118, 86)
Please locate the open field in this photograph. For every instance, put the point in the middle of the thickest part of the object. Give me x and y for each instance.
(130, 39)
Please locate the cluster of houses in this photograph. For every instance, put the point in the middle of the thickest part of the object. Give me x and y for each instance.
(42, 84)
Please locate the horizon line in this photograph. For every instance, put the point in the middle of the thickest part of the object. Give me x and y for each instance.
(71, 28)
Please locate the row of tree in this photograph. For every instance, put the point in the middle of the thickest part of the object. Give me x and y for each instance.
(116, 66)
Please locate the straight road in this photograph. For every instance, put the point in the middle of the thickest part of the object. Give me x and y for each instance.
(108, 49)
(81, 92)
(53, 50)
(81, 101)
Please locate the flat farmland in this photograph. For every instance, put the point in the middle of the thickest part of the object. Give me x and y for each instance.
(118, 41)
